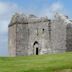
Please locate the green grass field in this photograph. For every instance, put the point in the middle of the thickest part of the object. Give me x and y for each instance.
(41, 63)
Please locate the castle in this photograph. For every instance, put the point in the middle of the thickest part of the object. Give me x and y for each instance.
(31, 35)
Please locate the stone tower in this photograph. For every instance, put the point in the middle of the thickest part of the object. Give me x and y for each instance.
(31, 35)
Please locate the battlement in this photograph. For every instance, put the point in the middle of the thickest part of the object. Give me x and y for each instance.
(18, 18)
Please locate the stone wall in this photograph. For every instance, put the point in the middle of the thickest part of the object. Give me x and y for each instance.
(38, 32)
(12, 40)
(69, 37)
(22, 39)
(58, 34)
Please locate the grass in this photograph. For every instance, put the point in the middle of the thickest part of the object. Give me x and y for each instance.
(42, 63)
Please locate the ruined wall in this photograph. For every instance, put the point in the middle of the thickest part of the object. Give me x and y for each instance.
(38, 33)
(22, 39)
(58, 34)
(12, 40)
(69, 37)
(29, 33)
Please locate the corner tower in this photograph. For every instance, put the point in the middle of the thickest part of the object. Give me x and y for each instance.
(18, 35)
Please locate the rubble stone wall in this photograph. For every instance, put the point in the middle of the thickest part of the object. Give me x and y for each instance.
(12, 40)
(58, 34)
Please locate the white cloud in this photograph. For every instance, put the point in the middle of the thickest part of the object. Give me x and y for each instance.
(3, 7)
(53, 8)
(56, 7)
(4, 26)
(6, 10)
(7, 7)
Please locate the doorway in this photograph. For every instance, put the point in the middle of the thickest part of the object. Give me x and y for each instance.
(36, 48)
(36, 51)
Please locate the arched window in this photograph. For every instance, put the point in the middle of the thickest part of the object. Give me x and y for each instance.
(35, 42)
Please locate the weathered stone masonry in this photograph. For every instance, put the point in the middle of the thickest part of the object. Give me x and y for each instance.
(30, 35)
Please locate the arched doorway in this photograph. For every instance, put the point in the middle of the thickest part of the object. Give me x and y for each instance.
(36, 48)
(37, 51)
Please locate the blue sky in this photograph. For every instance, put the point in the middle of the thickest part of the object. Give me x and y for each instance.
(37, 7)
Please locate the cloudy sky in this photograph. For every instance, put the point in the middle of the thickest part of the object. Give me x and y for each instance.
(37, 7)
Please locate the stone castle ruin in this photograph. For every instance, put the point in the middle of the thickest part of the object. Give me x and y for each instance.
(30, 35)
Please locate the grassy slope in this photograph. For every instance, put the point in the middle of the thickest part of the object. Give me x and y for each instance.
(41, 63)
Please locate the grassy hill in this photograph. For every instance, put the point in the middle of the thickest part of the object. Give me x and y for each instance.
(41, 63)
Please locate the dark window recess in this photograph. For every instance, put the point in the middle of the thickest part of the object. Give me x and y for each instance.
(43, 30)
